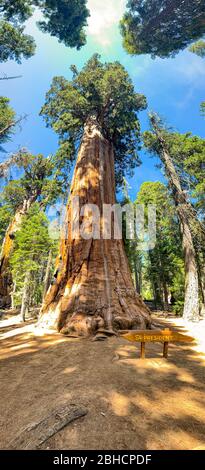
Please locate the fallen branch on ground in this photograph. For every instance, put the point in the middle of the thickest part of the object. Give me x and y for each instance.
(36, 434)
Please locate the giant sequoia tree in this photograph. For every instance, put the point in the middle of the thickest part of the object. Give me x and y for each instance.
(64, 19)
(162, 27)
(95, 115)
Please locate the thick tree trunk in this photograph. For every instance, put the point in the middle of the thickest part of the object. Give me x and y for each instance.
(191, 299)
(93, 288)
(5, 272)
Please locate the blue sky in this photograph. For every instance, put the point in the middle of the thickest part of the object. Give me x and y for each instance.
(173, 87)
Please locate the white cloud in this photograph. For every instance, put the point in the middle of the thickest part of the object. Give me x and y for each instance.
(190, 67)
(105, 14)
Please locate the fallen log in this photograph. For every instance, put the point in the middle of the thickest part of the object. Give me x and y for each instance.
(37, 433)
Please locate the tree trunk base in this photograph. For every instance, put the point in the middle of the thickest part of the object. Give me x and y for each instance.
(71, 315)
(5, 301)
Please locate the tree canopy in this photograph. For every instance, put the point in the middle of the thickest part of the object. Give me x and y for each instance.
(202, 108)
(64, 19)
(7, 120)
(162, 27)
(198, 48)
(106, 91)
(187, 152)
(14, 44)
(41, 180)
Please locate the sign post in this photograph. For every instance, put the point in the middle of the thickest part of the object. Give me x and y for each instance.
(165, 336)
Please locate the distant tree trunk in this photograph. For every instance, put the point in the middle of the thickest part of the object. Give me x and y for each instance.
(202, 312)
(140, 280)
(138, 267)
(94, 288)
(5, 272)
(157, 296)
(137, 283)
(163, 281)
(166, 295)
(156, 281)
(47, 274)
(191, 300)
(12, 296)
(201, 276)
(26, 295)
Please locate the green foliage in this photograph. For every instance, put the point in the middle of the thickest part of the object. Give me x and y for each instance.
(43, 180)
(14, 44)
(202, 108)
(16, 10)
(177, 286)
(14, 194)
(162, 27)
(131, 246)
(103, 90)
(198, 48)
(158, 273)
(160, 263)
(7, 120)
(185, 154)
(188, 154)
(31, 247)
(64, 19)
(5, 218)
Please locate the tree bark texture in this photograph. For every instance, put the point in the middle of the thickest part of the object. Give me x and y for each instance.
(93, 288)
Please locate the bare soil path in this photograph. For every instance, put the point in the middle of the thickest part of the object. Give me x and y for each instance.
(132, 403)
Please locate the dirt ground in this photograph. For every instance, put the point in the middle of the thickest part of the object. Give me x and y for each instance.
(132, 403)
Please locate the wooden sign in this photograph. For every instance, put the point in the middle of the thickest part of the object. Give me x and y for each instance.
(165, 336)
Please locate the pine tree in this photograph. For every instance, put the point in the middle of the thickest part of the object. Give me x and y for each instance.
(30, 252)
(162, 261)
(158, 142)
(43, 181)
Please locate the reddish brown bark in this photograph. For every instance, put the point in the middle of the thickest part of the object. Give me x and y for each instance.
(93, 288)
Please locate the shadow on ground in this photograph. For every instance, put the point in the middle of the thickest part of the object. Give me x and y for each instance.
(132, 403)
